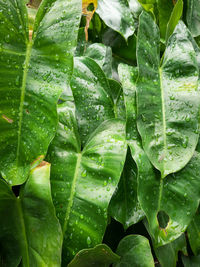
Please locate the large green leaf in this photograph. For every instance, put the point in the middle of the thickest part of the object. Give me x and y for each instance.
(134, 251)
(92, 96)
(117, 15)
(83, 180)
(193, 16)
(124, 206)
(177, 196)
(33, 74)
(167, 97)
(30, 230)
(193, 231)
(101, 256)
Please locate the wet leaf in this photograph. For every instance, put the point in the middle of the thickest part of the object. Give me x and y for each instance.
(83, 180)
(33, 75)
(30, 231)
(167, 97)
(117, 15)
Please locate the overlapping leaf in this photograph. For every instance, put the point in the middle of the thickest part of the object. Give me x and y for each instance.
(117, 15)
(134, 251)
(30, 231)
(83, 180)
(33, 74)
(167, 97)
(177, 196)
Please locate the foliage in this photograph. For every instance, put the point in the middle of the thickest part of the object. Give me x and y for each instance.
(99, 133)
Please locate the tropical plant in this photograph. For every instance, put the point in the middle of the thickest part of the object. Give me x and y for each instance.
(99, 133)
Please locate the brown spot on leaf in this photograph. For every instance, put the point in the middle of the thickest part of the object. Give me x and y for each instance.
(7, 119)
(43, 163)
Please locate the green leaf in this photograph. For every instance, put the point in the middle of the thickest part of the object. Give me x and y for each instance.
(92, 96)
(81, 43)
(165, 8)
(168, 254)
(134, 251)
(29, 228)
(83, 180)
(193, 17)
(192, 261)
(174, 18)
(34, 72)
(118, 99)
(102, 55)
(177, 196)
(117, 15)
(122, 50)
(101, 256)
(167, 97)
(124, 206)
(193, 231)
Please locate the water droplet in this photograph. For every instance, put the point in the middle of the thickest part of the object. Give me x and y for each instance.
(89, 241)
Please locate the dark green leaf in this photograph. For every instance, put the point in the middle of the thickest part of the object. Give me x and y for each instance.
(29, 227)
(193, 261)
(168, 254)
(101, 256)
(83, 181)
(134, 251)
(174, 18)
(124, 206)
(193, 231)
(33, 74)
(167, 97)
(117, 15)
(165, 8)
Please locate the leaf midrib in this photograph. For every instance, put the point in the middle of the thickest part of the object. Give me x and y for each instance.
(164, 122)
(72, 193)
(23, 90)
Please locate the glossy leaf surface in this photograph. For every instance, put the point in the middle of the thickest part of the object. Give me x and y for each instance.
(101, 256)
(193, 16)
(92, 96)
(33, 74)
(29, 228)
(134, 251)
(83, 181)
(169, 194)
(167, 97)
(117, 15)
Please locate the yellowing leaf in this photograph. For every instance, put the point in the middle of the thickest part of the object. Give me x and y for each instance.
(88, 13)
